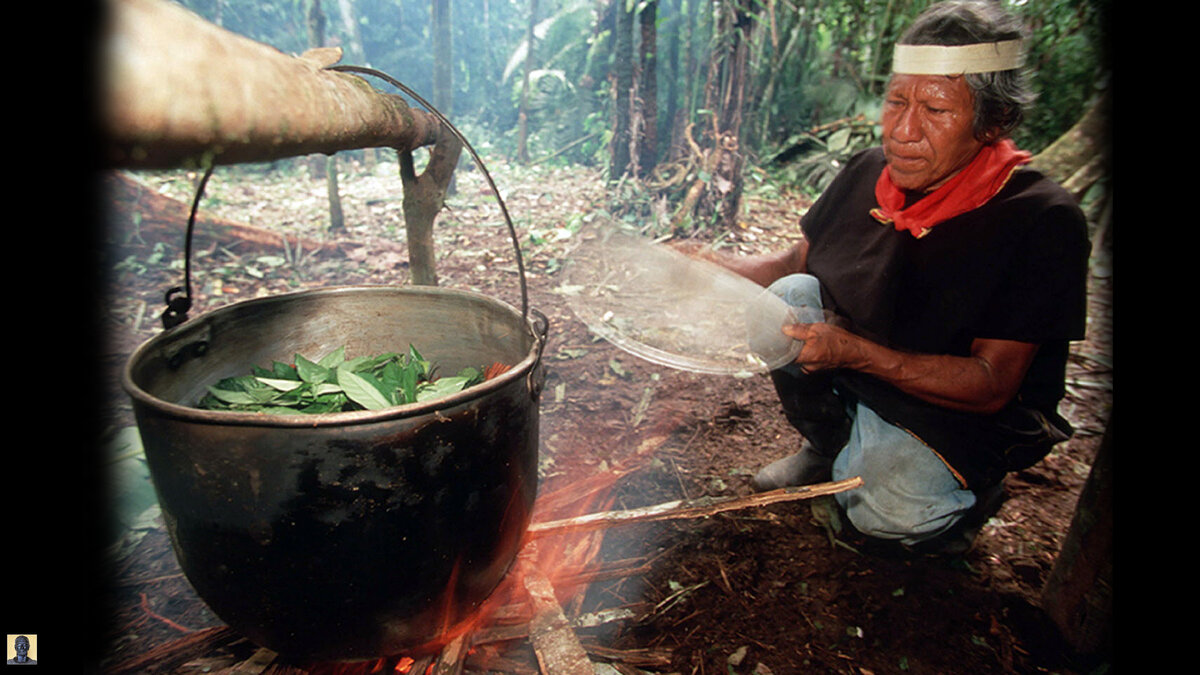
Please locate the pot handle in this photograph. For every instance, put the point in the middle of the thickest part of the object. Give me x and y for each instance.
(535, 379)
(177, 307)
(474, 155)
(179, 298)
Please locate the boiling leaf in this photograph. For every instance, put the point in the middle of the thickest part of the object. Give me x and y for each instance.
(443, 386)
(334, 358)
(361, 390)
(281, 385)
(336, 384)
(313, 373)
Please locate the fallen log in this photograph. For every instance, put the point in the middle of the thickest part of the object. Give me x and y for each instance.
(162, 218)
(688, 508)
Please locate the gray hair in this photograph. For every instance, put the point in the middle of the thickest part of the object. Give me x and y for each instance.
(1000, 97)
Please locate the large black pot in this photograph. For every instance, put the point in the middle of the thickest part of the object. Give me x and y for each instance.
(351, 535)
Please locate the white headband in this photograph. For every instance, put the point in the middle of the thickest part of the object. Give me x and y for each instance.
(941, 60)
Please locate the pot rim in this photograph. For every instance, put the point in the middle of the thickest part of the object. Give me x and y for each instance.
(355, 417)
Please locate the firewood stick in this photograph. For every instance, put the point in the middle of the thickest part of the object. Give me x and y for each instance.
(555, 643)
(450, 661)
(688, 508)
(645, 658)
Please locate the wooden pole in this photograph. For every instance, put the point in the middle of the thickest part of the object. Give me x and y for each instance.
(177, 91)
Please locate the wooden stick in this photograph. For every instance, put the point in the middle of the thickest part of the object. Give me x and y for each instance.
(644, 658)
(556, 645)
(689, 508)
(450, 660)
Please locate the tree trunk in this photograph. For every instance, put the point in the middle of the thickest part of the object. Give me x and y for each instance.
(354, 35)
(1078, 594)
(1084, 146)
(322, 166)
(648, 89)
(179, 91)
(443, 57)
(443, 64)
(523, 112)
(717, 192)
(337, 220)
(623, 90)
(424, 196)
(314, 21)
(672, 67)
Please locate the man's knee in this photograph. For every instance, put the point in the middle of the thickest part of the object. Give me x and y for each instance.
(907, 493)
(882, 515)
(798, 290)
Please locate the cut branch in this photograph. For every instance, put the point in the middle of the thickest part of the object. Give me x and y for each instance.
(179, 91)
(555, 643)
(689, 508)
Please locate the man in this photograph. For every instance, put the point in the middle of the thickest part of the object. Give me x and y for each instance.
(952, 278)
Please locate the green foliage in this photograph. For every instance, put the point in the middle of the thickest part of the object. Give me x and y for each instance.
(812, 62)
(1067, 63)
(832, 59)
(335, 383)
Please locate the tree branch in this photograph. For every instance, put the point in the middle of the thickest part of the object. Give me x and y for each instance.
(178, 91)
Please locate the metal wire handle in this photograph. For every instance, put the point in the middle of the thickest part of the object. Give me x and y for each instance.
(474, 155)
(179, 305)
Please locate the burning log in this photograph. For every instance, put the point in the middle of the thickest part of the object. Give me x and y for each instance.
(688, 508)
(556, 644)
(450, 660)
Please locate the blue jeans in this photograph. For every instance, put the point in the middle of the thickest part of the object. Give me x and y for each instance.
(908, 492)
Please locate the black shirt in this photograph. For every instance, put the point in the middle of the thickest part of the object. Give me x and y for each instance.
(1012, 269)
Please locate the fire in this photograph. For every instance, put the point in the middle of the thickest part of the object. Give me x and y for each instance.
(560, 559)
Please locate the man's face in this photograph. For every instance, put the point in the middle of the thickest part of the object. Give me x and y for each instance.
(22, 646)
(928, 131)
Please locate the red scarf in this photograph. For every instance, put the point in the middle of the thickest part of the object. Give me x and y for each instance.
(968, 189)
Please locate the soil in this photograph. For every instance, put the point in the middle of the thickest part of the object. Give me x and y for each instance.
(765, 590)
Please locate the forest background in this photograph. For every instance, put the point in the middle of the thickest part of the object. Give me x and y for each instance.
(677, 102)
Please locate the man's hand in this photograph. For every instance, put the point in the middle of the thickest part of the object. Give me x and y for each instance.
(827, 346)
(983, 382)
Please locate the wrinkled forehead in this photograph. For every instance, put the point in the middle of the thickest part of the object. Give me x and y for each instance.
(945, 88)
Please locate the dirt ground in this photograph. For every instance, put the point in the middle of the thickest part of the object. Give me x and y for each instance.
(764, 590)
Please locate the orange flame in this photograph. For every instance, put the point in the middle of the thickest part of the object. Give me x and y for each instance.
(561, 559)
